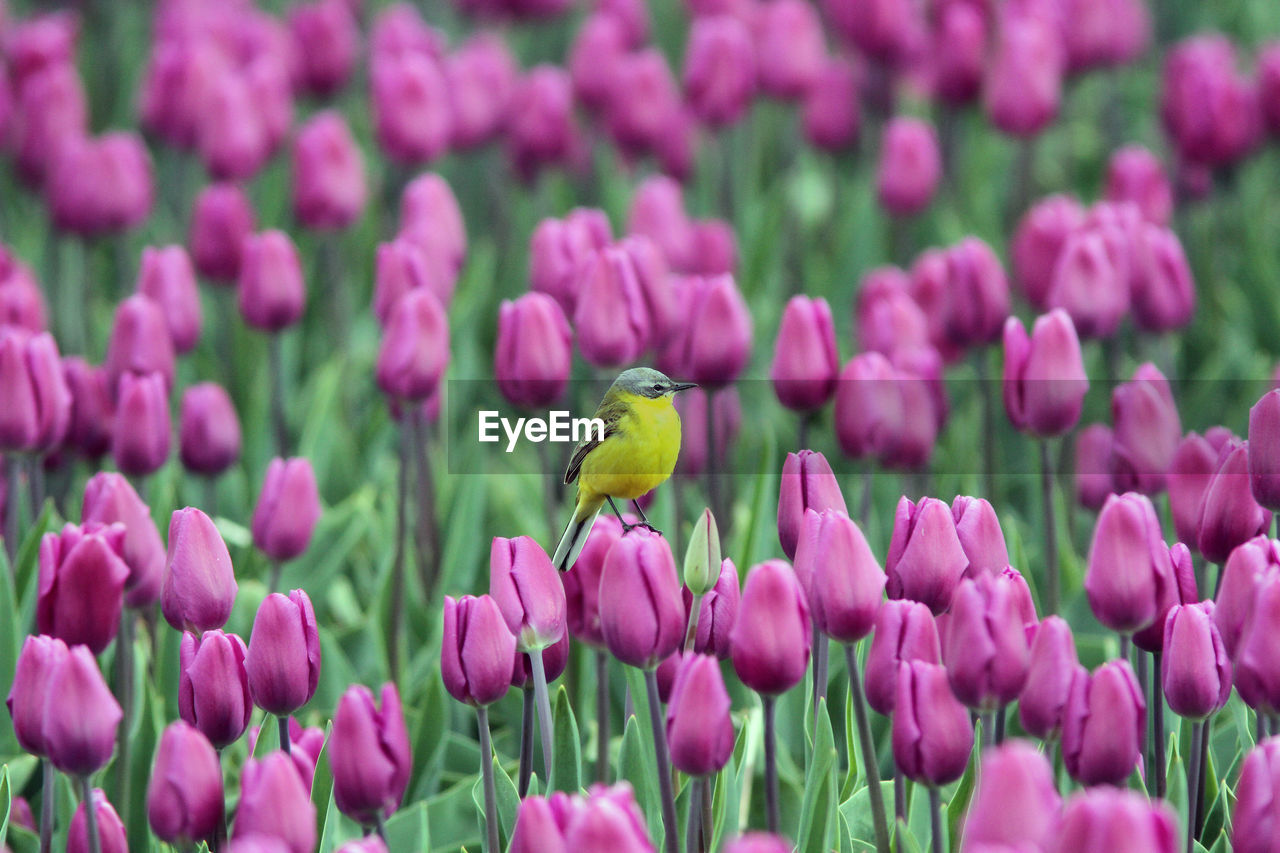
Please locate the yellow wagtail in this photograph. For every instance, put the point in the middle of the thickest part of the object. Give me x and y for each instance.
(638, 453)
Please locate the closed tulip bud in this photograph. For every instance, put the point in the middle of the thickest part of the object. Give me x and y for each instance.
(1098, 819)
(718, 613)
(661, 299)
(329, 187)
(80, 715)
(1253, 822)
(1128, 561)
(100, 185)
(918, 377)
(527, 589)
(1037, 243)
(1136, 175)
(199, 584)
(932, 734)
(609, 820)
(287, 510)
(272, 292)
(885, 30)
(283, 658)
(1196, 671)
(213, 686)
(274, 801)
(1248, 567)
(37, 410)
(611, 317)
(1190, 472)
(721, 348)
(29, 693)
(40, 41)
(1023, 88)
(657, 212)
(141, 341)
(692, 406)
(805, 361)
(402, 265)
(807, 483)
(481, 74)
(980, 536)
(1229, 516)
(642, 615)
(582, 582)
(702, 561)
(231, 134)
(399, 28)
(719, 69)
(644, 101)
(1104, 725)
(411, 111)
(537, 830)
(415, 347)
(111, 834)
(555, 658)
(82, 579)
(985, 651)
(141, 431)
(1147, 431)
(1016, 802)
(1209, 110)
(699, 730)
(910, 166)
(868, 407)
(475, 659)
(52, 110)
(1257, 675)
(925, 560)
(1163, 293)
(209, 431)
(22, 303)
(842, 580)
(109, 499)
(770, 640)
(370, 754)
(558, 246)
(1176, 587)
(168, 279)
(978, 294)
(540, 128)
(222, 219)
(758, 842)
(184, 796)
(1089, 285)
(1264, 450)
(831, 112)
(534, 351)
(1051, 666)
(790, 48)
(327, 36)
(959, 53)
(600, 44)
(905, 631)
(1044, 376)
(1093, 465)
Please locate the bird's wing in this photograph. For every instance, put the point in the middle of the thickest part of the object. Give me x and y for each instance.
(611, 411)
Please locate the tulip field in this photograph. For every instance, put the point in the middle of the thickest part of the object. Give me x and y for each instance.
(933, 507)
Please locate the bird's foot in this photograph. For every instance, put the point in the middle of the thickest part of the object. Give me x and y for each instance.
(627, 528)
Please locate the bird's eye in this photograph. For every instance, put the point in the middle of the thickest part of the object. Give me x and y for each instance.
(657, 389)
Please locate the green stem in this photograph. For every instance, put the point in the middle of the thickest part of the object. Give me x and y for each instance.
(46, 807)
(1157, 713)
(693, 827)
(275, 357)
(691, 631)
(125, 680)
(1193, 784)
(427, 530)
(602, 716)
(669, 819)
(486, 773)
(821, 649)
(771, 764)
(935, 820)
(1052, 582)
(277, 571)
(286, 743)
(988, 729)
(543, 698)
(867, 746)
(397, 567)
(526, 742)
(13, 486)
(90, 815)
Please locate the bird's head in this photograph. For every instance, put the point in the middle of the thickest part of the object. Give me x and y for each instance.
(647, 382)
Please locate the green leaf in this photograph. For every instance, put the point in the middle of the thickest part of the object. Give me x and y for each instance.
(322, 785)
(566, 768)
(268, 736)
(918, 817)
(6, 800)
(508, 800)
(10, 644)
(635, 764)
(960, 801)
(727, 796)
(429, 729)
(856, 811)
(907, 841)
(818, 808)
(407, 828)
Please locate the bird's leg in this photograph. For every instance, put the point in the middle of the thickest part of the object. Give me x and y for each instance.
(626, 528)
(644, 522)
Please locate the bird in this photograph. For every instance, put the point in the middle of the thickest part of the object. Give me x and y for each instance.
(636, 454)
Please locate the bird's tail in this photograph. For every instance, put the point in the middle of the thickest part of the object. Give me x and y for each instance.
(575, 533)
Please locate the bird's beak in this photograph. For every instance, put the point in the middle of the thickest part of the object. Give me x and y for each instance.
(682, 386)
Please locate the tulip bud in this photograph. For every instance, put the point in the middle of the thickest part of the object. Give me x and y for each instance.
(978, 530)
(401, 266)
(1044, 376)
(80, 715)
(231, 134)
(1253, 821)
(415, 347)
(327, 36)
(272, 292)
(1264, 450)
(213, 686)
(790, 48)
(650, 107)
(480, 74)
(770, 640)
(721, 347)
(1229, 516)
(431, 219)
(274, 801)
(82, 579)
(168, 280)
(411, 116)
(718, 613)
(719, 69)
(22, 303)
(283, 658)
(692, 407)
(111, 834)
(287, 510)
(1163, 293)
(642, 615)
(905, 631)
(843, 583)
(537, 830)
(1127, 559)
(555, 658)
(1136, 175)
(558, 246)
(328, 173)
(221, 220)
(369, 844)
(925, 560)
(868, 406)
(370, 754)
(805, 361)
(985, 651)
(1093, 465)
(657, 212)
(1103, 817)
(100, 185)
(610, 820)
(1196, 672)
(199, 584)
(611, 317)
(807, 483)
(1052, 665)
(534, 351)
(1090, 284)
(1210, 111)
(932, 734)
(475, 659)
(110, 500)
(1190, 471)
(910, 166)
(1177, 587)
(1024, 78)
(1147, 431)
(582, 582)
(1038, 242)
(702, 557)
(1246, 569)
(1016, 802)
(758, 842)
(831, 113)
(699, 730)
(29, 694)
(89, 426)
(959, 53)
(1104, 725)
(209, 431)
(977, 296)
(140, 440)
(540, 126)
(527, 589)
(38, 403)
(1257, 676)
(918, 377)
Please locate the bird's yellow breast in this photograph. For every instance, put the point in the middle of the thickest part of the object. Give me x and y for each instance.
(639, 455)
